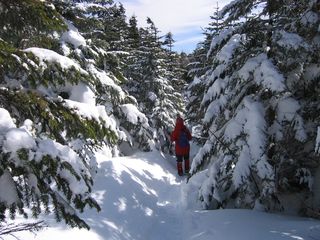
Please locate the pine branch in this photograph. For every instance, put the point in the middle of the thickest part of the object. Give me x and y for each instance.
(222, 143)
(12, 228)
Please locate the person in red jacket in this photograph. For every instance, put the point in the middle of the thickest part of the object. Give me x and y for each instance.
(181, 136)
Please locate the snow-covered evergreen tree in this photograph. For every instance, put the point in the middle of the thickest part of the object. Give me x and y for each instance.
(46, 143)
(133, 125)
(151, 78)
(200, 62)
(259, 106)
(61, 102)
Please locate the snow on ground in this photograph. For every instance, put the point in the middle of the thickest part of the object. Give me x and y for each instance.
(142, 197)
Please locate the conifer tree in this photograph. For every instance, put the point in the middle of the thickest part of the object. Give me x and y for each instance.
(39, 129)
(257, 118)
(151, 77)
(133, 33)
(23, 31)
(201, 61)
(169, 41)
(115, 26)
(47, 79)
(115, 61)
(175, 69)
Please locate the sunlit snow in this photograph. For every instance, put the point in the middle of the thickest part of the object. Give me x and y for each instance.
(143, 198)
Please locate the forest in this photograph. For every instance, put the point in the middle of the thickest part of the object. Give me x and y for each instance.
(79, 77)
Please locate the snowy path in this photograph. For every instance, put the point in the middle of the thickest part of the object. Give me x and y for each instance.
(142, 198)
(137, 197)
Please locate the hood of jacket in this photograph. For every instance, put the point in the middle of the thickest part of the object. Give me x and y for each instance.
(179, 123)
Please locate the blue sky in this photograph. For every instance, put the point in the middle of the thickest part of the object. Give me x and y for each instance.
(184, 18)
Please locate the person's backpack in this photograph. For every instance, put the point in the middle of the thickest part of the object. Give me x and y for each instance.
(183, 139)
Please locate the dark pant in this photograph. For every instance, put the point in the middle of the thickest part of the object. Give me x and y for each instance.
(180, 158)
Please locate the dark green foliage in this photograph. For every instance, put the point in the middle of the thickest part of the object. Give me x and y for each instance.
(29, 22)
(46, 171)
(50, 116)
(133, 33)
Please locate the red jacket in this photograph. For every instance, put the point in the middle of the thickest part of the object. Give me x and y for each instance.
(175, 136)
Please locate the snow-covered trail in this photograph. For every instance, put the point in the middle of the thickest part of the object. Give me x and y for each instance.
(139, 197)
(143, 198)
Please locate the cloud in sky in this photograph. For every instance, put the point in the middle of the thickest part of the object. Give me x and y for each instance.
(184, 18)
